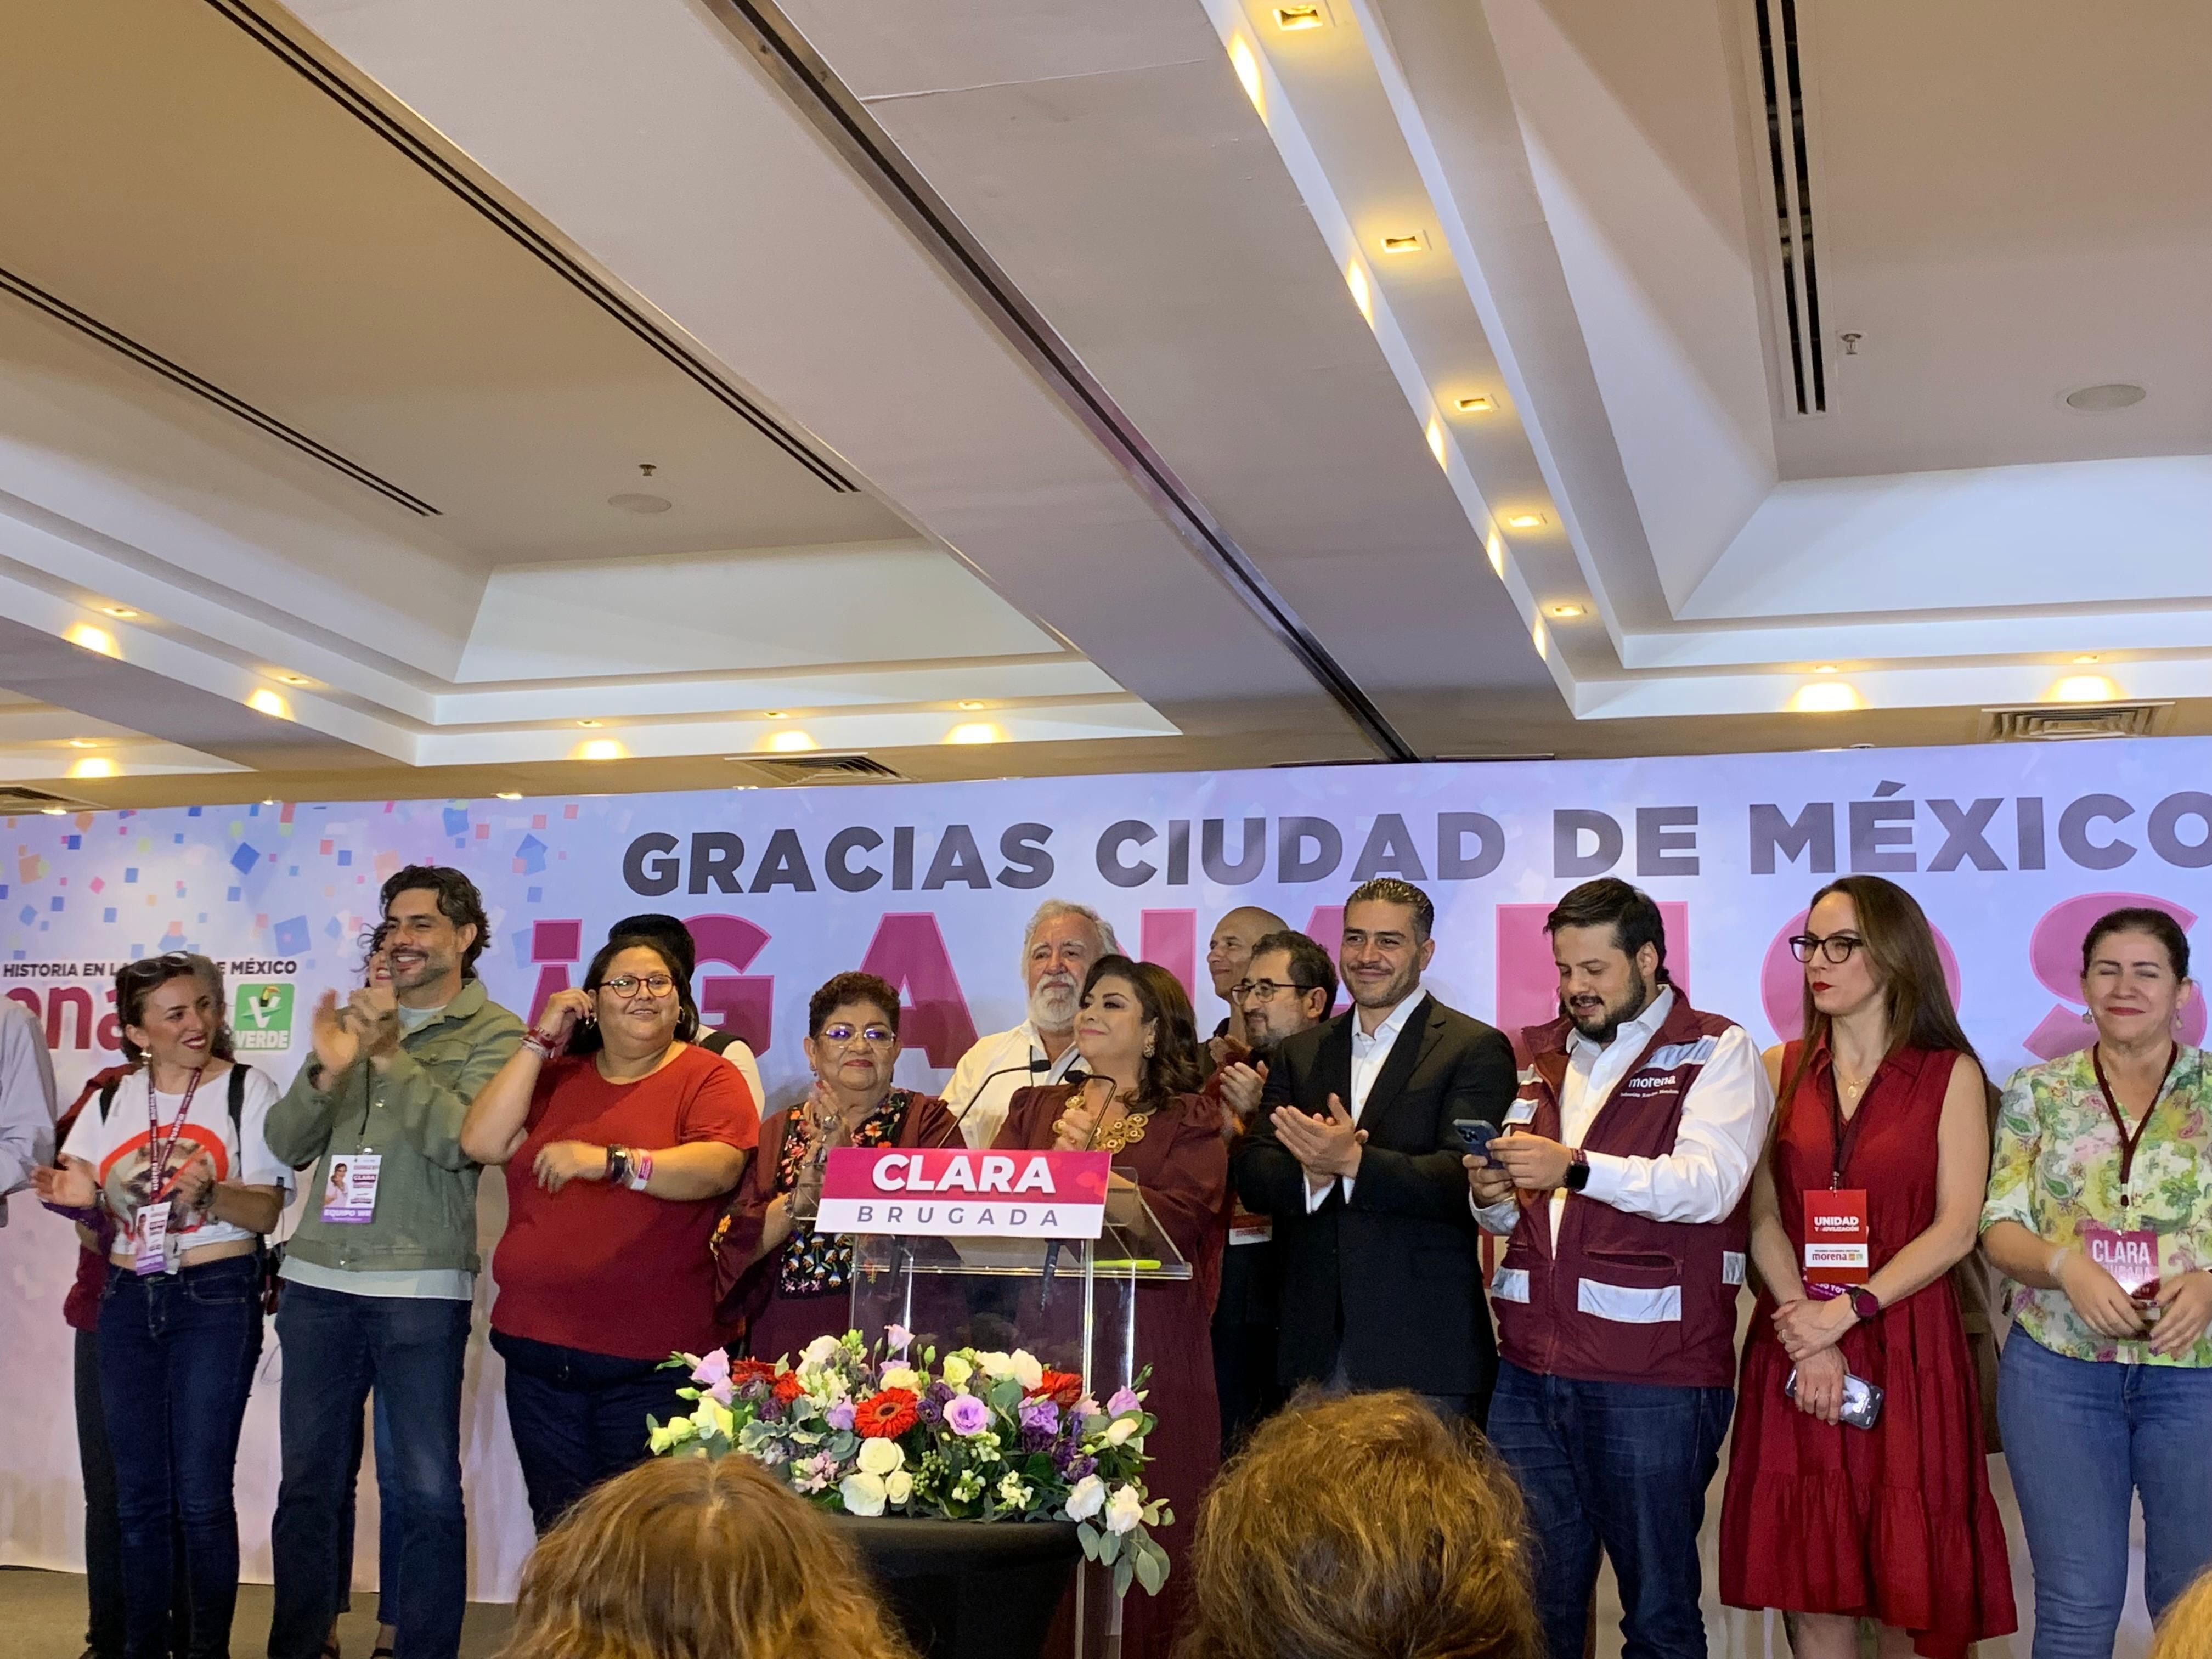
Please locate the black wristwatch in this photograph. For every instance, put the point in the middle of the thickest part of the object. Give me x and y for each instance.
(1577, 1175)
(1864, 1302)
(617, 1164)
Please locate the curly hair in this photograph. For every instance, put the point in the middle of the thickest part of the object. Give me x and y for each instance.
(1361, 1524)
(840, 989)
(684, 1557)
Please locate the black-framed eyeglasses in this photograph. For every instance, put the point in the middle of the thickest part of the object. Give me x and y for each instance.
(629, 985)
(1264, 990)
(1835, 948)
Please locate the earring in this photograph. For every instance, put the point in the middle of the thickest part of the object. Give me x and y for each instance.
(1148, 1051)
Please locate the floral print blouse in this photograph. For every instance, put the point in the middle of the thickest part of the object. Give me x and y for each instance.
(818, 1264)
(2057, 1167)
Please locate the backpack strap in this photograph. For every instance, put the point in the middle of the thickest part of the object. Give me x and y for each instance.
(238, 1070)
(108, 1096)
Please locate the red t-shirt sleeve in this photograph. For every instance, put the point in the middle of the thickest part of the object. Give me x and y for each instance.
(720, 1108)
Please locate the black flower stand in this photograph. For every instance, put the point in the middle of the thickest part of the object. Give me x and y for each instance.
(965, 1590)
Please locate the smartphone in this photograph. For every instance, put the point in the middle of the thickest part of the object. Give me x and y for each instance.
(1862, 1400)
(1475, 1135)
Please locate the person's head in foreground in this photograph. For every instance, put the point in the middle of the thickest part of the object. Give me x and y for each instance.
(1356, 1526)
(686, 1559)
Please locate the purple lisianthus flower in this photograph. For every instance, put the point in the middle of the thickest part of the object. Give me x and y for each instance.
(940, 1392)
(898, 1340)
(929, 1411)
(965, 1415)
(1123, 1400)
(1080, 1466)
(1040, 1414)
(712, 1374)
(1034, 1439)
(772, 1410)
(840, 1416)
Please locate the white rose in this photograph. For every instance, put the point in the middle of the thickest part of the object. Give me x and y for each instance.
(819, 1353)
(1027, 1370)
(996, 1366)
(900, 1376)
(864, 1493)
(955, 1371)
(1125, 1510)
(898, 1486)
(1087, 1498)
(1121, 1428)
(881, 1456)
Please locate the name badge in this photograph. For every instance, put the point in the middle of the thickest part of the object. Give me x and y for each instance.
(1245, 1228)
(350, 1194)
(2131, 1258)
(1837, 1237)
(149, 1238)
(1520, 1111)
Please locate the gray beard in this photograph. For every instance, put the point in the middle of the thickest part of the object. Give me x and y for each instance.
(1047, 1020)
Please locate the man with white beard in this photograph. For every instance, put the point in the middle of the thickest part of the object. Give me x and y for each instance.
(1063, 940)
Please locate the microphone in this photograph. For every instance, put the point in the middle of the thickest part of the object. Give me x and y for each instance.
(1033, 1066)
(1075, 1077)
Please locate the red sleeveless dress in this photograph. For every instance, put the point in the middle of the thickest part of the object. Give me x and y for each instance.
(1896, 1522)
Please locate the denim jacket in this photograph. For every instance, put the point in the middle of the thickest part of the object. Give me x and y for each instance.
(410, 1113)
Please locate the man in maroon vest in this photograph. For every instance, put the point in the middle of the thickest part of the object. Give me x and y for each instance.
(1621, 1178)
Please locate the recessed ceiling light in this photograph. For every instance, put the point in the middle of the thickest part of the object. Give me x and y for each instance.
(2102, 399)
(792, 742)
(630, 500)
(92, 766)
(1825, 697)
(600, 749)
(93, 743)
(772, 713)
(977, 732)
(1825, 668)
(1248, 73)
(122, 610)
(1566, 610)
(55, 811)
(1525, 520)
(2085, 687)
(1475, 405)
(295, 679)
(971, 705)
(266, 701)
(509, 795)
(587, 722)
(1408, 241)
(1294, 19)
(2086, 658)
(98, 641)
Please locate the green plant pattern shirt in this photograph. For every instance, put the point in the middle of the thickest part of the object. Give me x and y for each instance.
(2055, 1166)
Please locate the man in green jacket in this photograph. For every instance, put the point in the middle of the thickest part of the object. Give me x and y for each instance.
(380, 1277)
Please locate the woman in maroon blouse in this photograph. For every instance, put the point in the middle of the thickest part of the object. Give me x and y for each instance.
(1141, 1102)
(785, 1283)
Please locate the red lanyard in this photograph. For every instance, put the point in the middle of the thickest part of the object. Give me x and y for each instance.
(158, 1151)
(2129, 1142)
(1842, 1137)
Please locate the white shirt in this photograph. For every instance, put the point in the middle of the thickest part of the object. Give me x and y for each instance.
(1368, 1054)
(26, 1099)
(980, 1106)
(1725, 1114)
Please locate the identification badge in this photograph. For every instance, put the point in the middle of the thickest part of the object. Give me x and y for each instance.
(2131, 1258)
(1837, 1238)
(149, 1238)
(350, 1194)
(1245, 1228)
(1520, 1112)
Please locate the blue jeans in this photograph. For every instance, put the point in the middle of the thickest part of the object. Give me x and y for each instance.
(409, 1350)
(1623, 1466)
(390, 1501)
(2079, 1437)
(579, 1418)
(177, 1352)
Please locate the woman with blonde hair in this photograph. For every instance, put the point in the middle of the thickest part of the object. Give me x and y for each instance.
(1355, 1524)
(686, 1558)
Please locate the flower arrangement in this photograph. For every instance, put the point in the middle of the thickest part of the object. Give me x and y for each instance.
(969, 1436)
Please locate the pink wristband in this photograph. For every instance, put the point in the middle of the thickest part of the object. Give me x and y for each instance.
(640, 1170)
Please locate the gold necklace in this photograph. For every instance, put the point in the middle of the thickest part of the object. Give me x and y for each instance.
(1122, 1132)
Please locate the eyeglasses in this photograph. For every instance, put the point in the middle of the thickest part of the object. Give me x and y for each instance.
(1263, 990)
(1836, 948)
(843, 1036)
(628, 985)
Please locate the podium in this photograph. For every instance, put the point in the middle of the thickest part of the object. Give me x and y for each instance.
(1073, 1304)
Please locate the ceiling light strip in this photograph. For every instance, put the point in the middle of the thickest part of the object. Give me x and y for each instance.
(783, 49)
(61, 311)
(564, 263)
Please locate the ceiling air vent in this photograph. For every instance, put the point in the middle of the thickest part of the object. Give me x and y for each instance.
(1789, 161)
(2046, 722)
(822, 768)
(14, 800)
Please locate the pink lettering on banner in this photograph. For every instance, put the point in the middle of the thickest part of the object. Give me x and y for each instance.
(1529, 979)
(555, 946)
(1325, 927)
(2054, 952)
(1171, 939)
(1782, 978)
(908, 951)
(746, 1004)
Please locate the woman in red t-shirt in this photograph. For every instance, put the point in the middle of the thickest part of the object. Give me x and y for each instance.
(619, 1139)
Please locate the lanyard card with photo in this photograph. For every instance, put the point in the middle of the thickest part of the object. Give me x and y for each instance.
(1836, 1236)
(150, 1237)
(350, 1194)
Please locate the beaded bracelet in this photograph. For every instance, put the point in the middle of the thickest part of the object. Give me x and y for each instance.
(538, 1044)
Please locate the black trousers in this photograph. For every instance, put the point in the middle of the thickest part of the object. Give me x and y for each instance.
(103, 1528)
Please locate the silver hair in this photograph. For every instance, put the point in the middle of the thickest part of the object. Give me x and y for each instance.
(1053, 909)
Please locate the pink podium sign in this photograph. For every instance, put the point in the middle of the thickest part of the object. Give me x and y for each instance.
(960, 1193)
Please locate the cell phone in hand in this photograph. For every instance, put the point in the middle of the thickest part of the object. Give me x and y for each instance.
(1475, 1135)
(1862, 1400)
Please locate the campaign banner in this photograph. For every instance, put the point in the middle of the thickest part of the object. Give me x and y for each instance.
(953, 1192)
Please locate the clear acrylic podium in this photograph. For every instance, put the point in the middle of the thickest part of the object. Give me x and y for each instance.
(1072, 1302)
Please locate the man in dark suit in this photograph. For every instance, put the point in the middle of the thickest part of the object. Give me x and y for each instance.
(1355, 1157)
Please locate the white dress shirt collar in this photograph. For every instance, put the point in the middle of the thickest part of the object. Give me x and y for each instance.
(1393, 1023)
(1636, 1032)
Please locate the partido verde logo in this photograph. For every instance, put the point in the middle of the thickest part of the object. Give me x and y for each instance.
(263, 1018)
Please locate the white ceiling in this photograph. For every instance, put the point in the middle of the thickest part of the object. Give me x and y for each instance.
(1094, 446)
